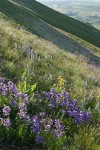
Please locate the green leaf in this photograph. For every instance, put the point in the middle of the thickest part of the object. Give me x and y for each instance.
(33, 87)
(24, 73)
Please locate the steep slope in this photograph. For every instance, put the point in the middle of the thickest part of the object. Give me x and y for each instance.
(61, 39)
(23, 11)
(26, 59)
(20, 50)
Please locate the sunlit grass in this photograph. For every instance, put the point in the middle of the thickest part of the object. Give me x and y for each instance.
(26, 57)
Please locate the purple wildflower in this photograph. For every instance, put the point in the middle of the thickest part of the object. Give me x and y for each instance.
(13, 103)
(74, 113)
(63, 104)
(70, 112)
(6, 122)
(26, 99)
(47, 95)
(12, 87)
(58, 133)
(59, 129)
(48, 125)
(42, 114)
(53, 92)
(28, 118)
(6, 110)
(20, 95)
(58, 98)
(65, 94)
(35, 124)
(1, 80)
(58, 124)
(39, 139)
(22, 106)
(22, 114)
(4, 90)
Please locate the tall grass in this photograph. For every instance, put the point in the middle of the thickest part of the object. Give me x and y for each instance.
(27, 59)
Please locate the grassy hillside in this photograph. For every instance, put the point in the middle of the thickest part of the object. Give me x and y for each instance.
(26, 57)
(16, 43)
(32, 51)
(85, 11)
(27, 9)
(44, 61)
(78, 59)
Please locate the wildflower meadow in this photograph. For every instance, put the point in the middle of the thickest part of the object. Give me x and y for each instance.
(50, 118)
(49, 89)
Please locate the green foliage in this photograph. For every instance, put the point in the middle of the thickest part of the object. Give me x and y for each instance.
(26, 88)
(82, 137)
(35, 65)
(34, 10)
(87, 139)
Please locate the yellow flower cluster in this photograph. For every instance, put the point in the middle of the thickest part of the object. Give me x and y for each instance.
(61, 81)
(54, 85)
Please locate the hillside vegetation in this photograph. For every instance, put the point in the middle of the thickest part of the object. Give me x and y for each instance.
(25, 11)
(38, 57)
(85, 11)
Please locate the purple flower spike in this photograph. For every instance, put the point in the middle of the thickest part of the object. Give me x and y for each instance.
(35, 124)
(6, 110)
(70, 113)
(26, 99)
(47, 127)
(22, 114)
(39, 139)
(20, 95)
(4, 89)
(6, 122)
(35, 118)
(74, 113)
(58, 124)
(58, 98)
(58, 133)
(1, 80)
(53, 92)
(22, 106)
(47, 95)
(13, 103)
(63, 104)
(65, 94)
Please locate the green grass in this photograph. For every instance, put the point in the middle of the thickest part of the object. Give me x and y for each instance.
(25, 56)
(44, 61)
(96, 25)
(28, 10)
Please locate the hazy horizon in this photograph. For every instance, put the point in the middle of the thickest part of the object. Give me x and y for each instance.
(84, 10)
